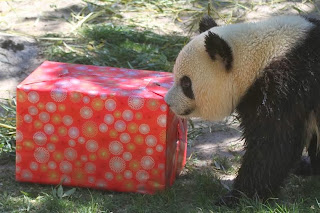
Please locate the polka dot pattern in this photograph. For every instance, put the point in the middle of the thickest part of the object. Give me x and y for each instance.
(58, 94)
(96, 127)
(41, 155)
(65, 167)
(135, 102)
(115, 147)
(40, 138)
(117, 164)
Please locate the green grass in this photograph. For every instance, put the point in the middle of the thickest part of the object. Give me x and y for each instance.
(130, 43)
(7, 125)
(195, 191)
(119, 46)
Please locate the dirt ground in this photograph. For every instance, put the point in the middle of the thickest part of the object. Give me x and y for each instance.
(22, 21)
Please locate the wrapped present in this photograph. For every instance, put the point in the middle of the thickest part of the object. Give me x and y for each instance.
(98, 127)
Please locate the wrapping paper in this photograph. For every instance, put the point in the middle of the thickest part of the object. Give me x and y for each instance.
(99, 127)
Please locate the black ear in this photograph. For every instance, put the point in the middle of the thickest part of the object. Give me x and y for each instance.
(206, 23)
(216, 46)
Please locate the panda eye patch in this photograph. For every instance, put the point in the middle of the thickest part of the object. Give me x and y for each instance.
(186, 85)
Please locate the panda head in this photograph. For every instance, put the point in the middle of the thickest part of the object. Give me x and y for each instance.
(216, 68)
(202, 76)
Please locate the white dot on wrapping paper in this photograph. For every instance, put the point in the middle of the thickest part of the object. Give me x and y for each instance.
(49, 129)
(86, 99)
(149, 151)
(84, 158)
(73, 132)
(125, 138)
(81, 140)
(44, 117)
(159, 148)
(127, 115)
(110, 105)
(40, 138)
(135, 102)
(163, 108)
(161, 166)
(151, 140)
(52, 165)
(144, 129)
(162, 120)
(103, 128)
(65, 167)
(92, 145)
(51, 147)
(147, 162)
(19, 136)
(117, 164)
(27, 118)
(72, 143)
(33, 110)
(26, 174)
(128, 174)
(86, 112)
(115, 147)
(103, 96)
(108, 176)
(142, 176)
(18, 158)
(67, 120)
(90, 167)
(58, 94)
(91, 179)
(127, 156)
(120, 126)
(18, 169)
(70, 154)
(34, 166)
(33, 97)
(41, 155)
(101, 184)
(51, 107)
(108, 119)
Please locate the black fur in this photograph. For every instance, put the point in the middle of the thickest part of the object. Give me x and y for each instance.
(186, 85)
(215, 46)
(206, 23)
(273, 115)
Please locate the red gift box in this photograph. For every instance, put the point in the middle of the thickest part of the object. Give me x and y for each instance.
(99, 127)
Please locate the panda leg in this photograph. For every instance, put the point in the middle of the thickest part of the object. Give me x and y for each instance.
(314, 153)
(266, 163)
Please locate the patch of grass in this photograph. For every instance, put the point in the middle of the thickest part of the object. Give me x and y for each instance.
(196, 190)
(120, 46)
(192, 192)
(7, 125)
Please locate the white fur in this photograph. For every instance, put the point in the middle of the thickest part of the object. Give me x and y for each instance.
(254, 46)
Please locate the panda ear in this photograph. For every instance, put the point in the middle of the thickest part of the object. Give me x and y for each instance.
(206, 23)
(216, 46)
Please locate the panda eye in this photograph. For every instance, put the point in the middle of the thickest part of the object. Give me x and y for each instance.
(186, 85)
(185, 82)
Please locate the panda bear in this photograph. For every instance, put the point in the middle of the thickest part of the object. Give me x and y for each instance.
(269, 73)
